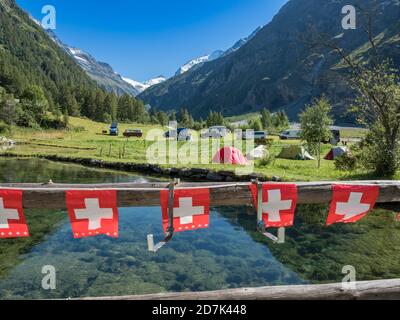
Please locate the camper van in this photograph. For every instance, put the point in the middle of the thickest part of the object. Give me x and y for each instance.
(290, 135)
(216, 132)
(296, 134)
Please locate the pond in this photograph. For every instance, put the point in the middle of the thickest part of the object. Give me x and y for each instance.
(228, 255)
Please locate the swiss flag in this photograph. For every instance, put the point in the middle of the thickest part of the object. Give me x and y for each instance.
(12, 218)
(93, 212)
(279, 203)
(350, 203)
(191, 209)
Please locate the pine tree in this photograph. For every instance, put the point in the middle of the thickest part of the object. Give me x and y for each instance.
(28, 55)
(111, 106)
(266, 119)
(7, 108)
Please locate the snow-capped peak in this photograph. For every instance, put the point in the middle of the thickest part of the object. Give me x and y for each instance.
(189, 65)
(154, 81)
(216, 54)
(141, 86)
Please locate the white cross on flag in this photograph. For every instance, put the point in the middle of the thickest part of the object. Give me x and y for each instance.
(12, 218)
(191, 209)
(278, 203)
(93, 213)
(351, 203)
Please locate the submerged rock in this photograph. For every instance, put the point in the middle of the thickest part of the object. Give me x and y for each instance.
(213, 176)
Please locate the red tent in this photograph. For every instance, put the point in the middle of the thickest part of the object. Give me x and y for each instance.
(230, 155)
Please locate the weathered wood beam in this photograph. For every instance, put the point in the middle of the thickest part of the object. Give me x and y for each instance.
(365, 290)
(52, 196)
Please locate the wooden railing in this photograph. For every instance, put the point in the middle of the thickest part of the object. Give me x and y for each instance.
(52, 196)
(364, 290)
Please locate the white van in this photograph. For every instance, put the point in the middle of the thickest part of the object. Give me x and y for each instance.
(248, 135)
(290, 135)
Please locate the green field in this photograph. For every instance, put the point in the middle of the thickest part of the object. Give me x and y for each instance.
(84, 139)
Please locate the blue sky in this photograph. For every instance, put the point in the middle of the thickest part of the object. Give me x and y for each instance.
(146, 38)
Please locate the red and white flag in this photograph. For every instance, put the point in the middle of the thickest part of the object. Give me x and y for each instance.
(278, 203)
(93, 213)
(191, 209)
(351, 203)
(12, 218)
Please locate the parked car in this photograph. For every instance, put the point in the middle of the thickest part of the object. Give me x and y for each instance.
(216, 132)
(128, 133)
(182, 134)
(114, 129)
(290, 135)
(247, 135)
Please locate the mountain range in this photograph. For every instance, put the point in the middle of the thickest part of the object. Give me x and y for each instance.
(276, 67)
(102, 72)
(279, 68)
(141, 86)
(104, 75)
(197, 62)
(107, 78)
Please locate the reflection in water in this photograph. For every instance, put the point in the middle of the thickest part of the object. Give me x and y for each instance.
(13, 170)
(318, 253)
(6, 147)
(230, 254)
(218, 258)
(224, 256)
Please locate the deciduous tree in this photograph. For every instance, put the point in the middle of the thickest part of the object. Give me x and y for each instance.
(315, 125)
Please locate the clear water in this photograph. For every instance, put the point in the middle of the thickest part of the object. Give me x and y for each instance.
(228, 255)
(224, 256)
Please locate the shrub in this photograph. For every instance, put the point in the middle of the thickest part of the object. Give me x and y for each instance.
(26, 119)
(377, 156)
(50, 122)
(269, 142)
(267, 160)
(107, 118)
(4, 128)
(347, 162)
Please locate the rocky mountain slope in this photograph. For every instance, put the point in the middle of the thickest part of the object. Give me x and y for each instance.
(39, 78)
(28, 56)
(103, 73)
(278, 68)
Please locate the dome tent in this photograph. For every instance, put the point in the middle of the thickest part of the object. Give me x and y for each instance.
(295, 152)
(336, 152)
(230, 155)
(258, 153)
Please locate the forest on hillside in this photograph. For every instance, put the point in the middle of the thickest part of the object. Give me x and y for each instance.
(40, 84)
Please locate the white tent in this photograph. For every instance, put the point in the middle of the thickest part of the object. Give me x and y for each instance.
(336, 152)
(258, 153)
